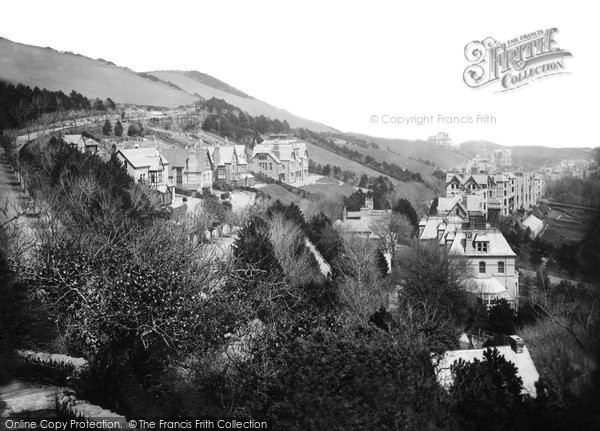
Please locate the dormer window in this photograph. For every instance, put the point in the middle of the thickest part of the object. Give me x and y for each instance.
(482, 246)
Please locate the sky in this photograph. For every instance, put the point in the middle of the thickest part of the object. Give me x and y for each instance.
(355, 66)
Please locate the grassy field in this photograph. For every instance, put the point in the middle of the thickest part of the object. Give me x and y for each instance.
(326, 157)
(417, 193)
(53, 70)
(278, 192)
(330, 189)
(418, 149)
(382, 154)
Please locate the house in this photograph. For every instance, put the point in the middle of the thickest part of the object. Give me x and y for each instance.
(82, 143)
(516, 352)
(501, 193)
(491, 260)
(361, 223)
(189, 169)
(146, 165)
(281, 158)
(231, 168)
(534, 224)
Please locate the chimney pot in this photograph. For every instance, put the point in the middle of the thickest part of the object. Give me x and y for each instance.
(516, 343)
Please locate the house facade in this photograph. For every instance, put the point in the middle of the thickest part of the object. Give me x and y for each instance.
(189, 169)
(501, 193)
(281, 158)
(230, 167)
(146, 165)
(81, 143)
(491, 261)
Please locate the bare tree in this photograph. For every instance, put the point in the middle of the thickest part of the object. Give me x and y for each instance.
(392, 231)
(362, 290)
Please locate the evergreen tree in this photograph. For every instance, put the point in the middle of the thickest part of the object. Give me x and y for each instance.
(403, 206)
(364, 181)
(109, 104)
(107, 128)
(118, 128)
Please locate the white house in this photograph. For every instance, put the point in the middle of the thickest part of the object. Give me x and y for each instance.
(516, 353)
(145, 165)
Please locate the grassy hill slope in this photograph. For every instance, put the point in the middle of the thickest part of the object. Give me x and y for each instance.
(47, 68)
(417, 193)
(529, 155)
(418, 150)
(191, 83)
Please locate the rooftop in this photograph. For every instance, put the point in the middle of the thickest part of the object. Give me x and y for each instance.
(525, 367)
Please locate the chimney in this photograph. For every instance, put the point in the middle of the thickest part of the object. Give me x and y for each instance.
(516, 343)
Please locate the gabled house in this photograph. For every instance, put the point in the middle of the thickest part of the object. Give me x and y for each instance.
(189, 169)
(146, 165)
(231, 168)
(82, 143)
(491, 260)
(281, 158)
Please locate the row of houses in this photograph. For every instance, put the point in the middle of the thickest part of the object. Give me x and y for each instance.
(198, 169)
(499, 193)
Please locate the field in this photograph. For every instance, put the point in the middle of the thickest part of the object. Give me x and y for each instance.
(330, 189)
(417, 193)
(424, 150)
(278, 192)
(53, 70)
(326, 157)
(563, 228)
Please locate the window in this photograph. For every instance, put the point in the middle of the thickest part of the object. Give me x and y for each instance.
(482, 267)
(500, 267)
(271, 166)
(482, 246)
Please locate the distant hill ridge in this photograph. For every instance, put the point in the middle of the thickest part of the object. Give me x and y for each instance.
(65, 71)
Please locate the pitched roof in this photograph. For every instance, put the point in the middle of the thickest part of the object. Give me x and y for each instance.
(525, 367)
(265, 149)
(199, 161)
(432, 224)
(177, 157)
(446, 205)
(497, 244)
(224, 155)
(472, 203)
(240, 150)
(533, 223)
(144, 157)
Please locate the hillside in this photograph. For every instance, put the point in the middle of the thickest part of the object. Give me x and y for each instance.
(53, 70)
(193, 84)
(417, 193)
(418, 149)
(529, 155)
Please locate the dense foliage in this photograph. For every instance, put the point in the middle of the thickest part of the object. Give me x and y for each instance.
(230, 121)
(20, 104)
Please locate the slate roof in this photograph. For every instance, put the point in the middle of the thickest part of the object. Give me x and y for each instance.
(224, 155)
(144, 157)
(497, 244)
(526, 369)
(535, 224)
